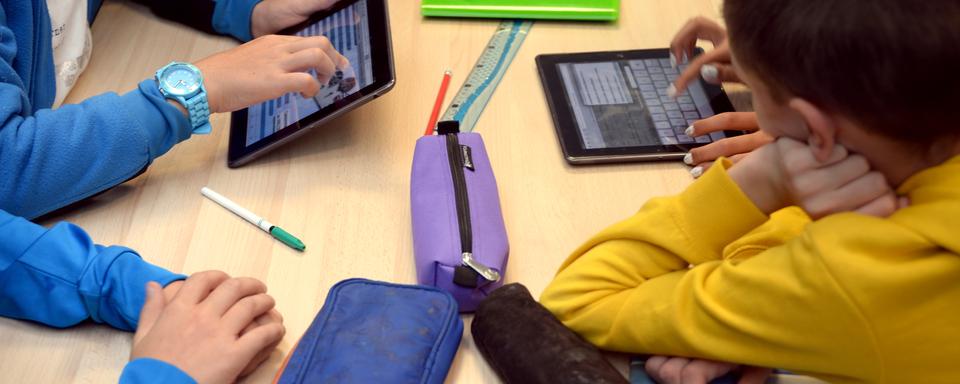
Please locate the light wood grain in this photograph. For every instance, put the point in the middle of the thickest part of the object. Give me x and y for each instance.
(344, 189)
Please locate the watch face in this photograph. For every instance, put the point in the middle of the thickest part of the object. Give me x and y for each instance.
(180, 81)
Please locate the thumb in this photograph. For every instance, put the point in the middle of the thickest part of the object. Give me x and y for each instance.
(152, 307)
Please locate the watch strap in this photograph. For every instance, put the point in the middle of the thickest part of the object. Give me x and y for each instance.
(199, 111)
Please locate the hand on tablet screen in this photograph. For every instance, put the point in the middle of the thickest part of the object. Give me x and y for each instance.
(733, 148)
(715, 66)
(272, 16)
(266, 68)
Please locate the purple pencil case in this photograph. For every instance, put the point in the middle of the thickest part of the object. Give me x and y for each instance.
(459, 239)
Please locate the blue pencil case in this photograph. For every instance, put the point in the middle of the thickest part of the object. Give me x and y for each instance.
(376, 332)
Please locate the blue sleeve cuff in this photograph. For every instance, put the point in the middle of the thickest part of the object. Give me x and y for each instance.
(59, 277)
(147, 370)
(114, 288)
(232, 17)
(163, 123)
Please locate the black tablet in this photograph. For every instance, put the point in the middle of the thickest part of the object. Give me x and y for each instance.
(613, 106)
(360, 30)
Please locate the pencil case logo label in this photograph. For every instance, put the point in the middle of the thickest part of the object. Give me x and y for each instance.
(467, 157)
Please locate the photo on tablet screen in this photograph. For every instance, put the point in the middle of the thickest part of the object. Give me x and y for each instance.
(349, 31)
(358, 29)
(624, 103)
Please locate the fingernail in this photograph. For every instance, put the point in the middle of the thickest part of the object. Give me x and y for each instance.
(685, 58)
(688, 158)
(709, 73)
(689, 131)
(673, 60)
(672, 91)
(696, 172)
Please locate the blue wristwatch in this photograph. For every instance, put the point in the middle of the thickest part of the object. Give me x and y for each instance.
(183, 82)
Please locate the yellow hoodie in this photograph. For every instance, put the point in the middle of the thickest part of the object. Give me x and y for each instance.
(847, 298)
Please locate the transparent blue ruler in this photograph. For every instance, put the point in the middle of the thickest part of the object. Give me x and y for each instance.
(475, 92)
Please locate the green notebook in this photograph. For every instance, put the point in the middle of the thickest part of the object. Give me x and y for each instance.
(524, 9)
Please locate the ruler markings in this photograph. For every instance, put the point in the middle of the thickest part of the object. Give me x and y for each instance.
(470, 100)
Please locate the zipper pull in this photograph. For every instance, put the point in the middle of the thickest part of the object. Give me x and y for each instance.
(485, 271)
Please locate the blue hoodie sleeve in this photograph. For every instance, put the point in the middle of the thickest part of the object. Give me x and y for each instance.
(232, 17)
(227, 17)
(59, 277)
(146, 370)
(52, 158)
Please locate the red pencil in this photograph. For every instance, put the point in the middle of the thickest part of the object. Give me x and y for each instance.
(432, 123)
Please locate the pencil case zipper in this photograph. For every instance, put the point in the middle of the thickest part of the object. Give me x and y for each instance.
(458, 157)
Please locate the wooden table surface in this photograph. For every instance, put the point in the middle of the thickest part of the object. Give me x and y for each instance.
(344, 188)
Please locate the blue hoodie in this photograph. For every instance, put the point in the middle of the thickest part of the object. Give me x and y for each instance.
(52, 158)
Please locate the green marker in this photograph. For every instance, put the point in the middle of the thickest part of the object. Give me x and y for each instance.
(286, 238)
(275, 231)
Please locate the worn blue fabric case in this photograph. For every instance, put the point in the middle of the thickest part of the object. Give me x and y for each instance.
(376, 332)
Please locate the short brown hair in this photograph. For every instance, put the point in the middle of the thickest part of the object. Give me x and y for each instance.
(892, 66)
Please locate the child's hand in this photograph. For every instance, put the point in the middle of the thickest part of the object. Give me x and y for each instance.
(271, 317)
(715, 66)
(206, 329)
(266, 68)
(272, 16)
(787, 172)
(680, 370)
(733, 148)
(266, 319)
(171, 290)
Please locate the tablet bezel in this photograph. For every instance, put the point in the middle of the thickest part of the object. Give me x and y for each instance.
(384, 78)
(565, 122)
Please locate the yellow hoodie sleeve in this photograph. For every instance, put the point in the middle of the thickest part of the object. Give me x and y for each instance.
(692, 275)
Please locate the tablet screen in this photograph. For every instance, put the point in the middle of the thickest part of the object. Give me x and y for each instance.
(623, 103)
(349, 31)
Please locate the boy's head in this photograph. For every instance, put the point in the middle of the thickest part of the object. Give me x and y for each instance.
(889, 67)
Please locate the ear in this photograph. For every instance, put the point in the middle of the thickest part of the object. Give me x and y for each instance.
(823, 128)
